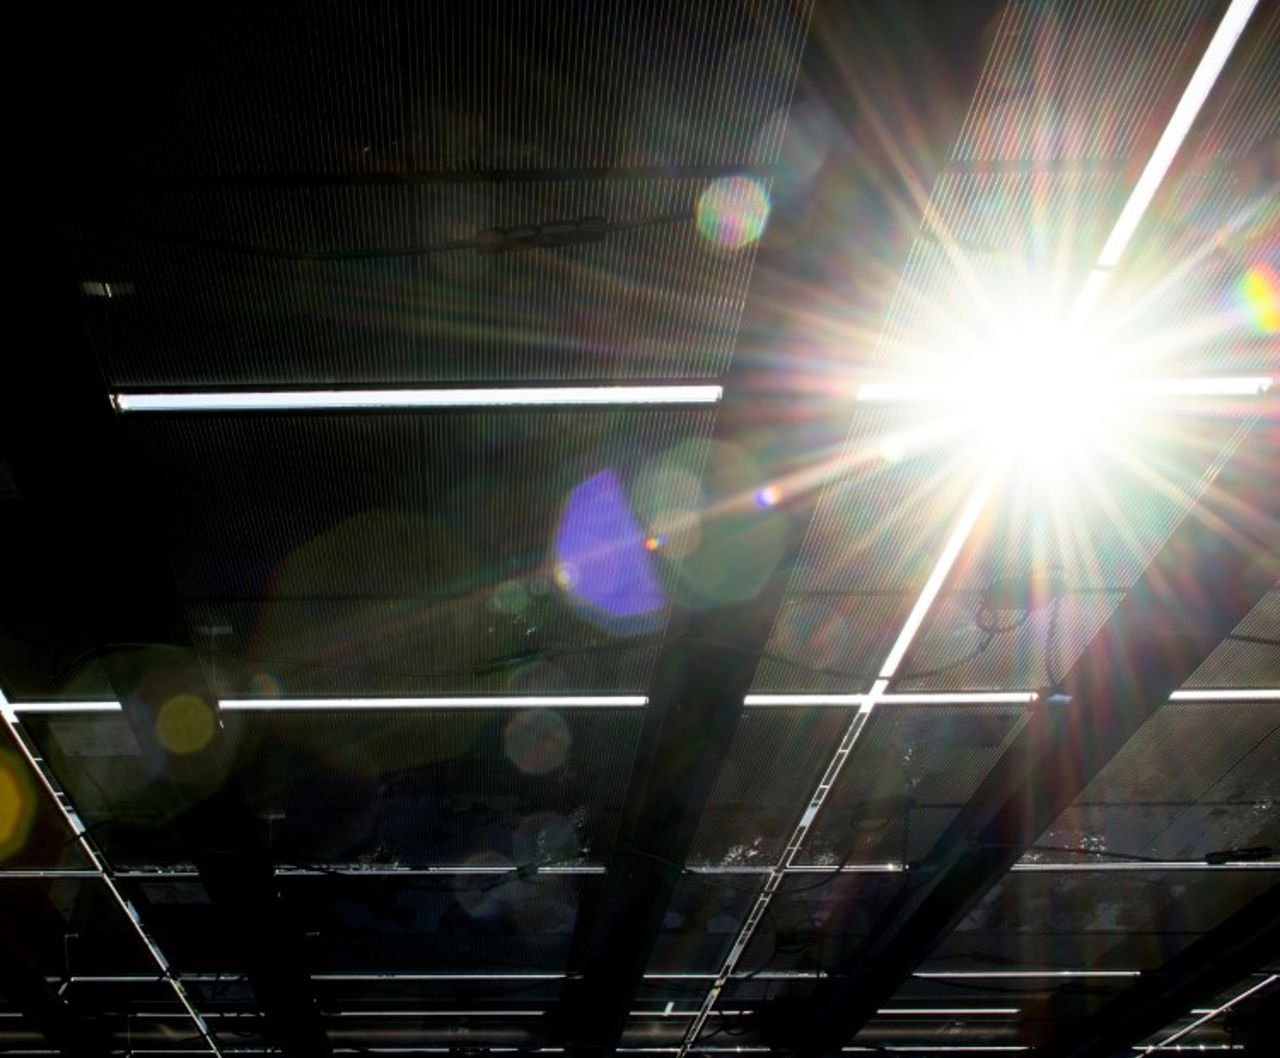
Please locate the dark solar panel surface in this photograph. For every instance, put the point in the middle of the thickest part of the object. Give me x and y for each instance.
(73, 927)
(815, 921)
(701, 923)
(1198, 778)
(340, 555)
(1240, 663)
(435, 864)
(1074, 81)
(1136, 920)
(45, 650)
(35, 834)
(490, 923)
(911, 771)
(458, 88)
(754, 806)
(504, 788)
(1244, 116)
(210, 306)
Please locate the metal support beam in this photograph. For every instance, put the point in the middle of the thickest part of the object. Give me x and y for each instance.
(1212, 571)
(696, 695)
(1242, 944)
(695, 705)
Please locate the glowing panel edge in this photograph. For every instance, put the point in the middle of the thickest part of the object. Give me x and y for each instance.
(351, 399)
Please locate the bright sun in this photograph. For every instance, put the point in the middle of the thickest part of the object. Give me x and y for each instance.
(1039, 397)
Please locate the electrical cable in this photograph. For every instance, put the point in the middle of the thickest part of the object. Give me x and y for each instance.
(88, 831)
(1261, 641)
(983, 620)
(851, 674)
(499, 663)
(1075, 986)
(549, 235)
(1099, 853)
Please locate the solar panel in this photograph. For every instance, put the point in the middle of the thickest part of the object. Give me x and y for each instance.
(499, 789)
(816, 920)
(1198, 778)
(1244, 663)
(749, 815)
(1076, 81)
(456, 88)
(396, 570)
(36, 835)
(485, 779)
(909, 774)
(237, 288)
(1093, 921)
(72, 927)
(698, 930)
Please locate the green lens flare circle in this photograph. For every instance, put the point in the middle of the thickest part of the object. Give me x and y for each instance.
(732, 212)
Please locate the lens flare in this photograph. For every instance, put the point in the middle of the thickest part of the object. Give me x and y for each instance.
(1039, 392)
(768, 496)
(1044, 414)
(675, 532)
(487, 896)
(185, 724)
(537, 741)
(17, 805)
(510, 597)
(732, 212)
(265, 685)
(892, 448)
(1259, 295)
(602, 558)
(733, 546)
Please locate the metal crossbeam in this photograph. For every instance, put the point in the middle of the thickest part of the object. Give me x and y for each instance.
(1162, 630)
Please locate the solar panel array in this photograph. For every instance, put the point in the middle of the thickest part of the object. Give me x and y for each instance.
(351, 196)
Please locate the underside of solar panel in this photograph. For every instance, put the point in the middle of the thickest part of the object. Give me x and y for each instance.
(642, 527)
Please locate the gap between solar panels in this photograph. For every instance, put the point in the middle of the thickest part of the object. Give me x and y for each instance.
(15, 710)
(413, 398)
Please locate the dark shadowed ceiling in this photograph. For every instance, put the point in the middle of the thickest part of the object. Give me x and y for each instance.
(657, 528)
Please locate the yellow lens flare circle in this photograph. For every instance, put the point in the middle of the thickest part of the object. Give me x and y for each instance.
(185, 724)
(17, 805)
(1259, 294)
